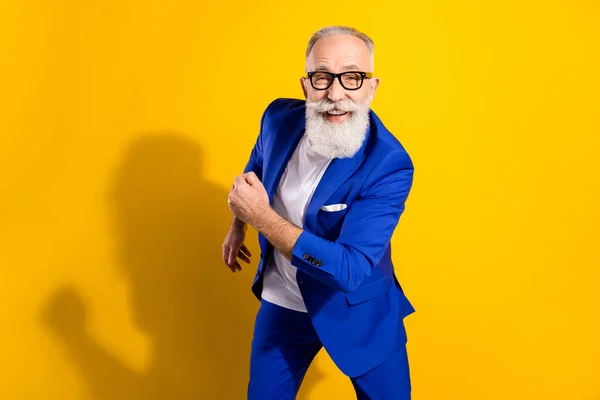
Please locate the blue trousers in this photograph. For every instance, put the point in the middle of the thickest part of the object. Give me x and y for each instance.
(285, 343)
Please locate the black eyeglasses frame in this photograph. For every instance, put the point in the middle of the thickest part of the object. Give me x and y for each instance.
(363, 75)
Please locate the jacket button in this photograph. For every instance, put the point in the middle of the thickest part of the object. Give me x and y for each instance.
(319, 264)
(306, 256)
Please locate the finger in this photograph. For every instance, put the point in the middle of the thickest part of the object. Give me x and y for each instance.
(245, 250)
(232, 198)
(251, 178)
(231, 258)
(239, 181)
(243, 257)
(231, 268)
(225, 254)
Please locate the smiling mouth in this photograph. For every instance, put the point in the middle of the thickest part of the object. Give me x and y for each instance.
(336, 112)
(336, 116)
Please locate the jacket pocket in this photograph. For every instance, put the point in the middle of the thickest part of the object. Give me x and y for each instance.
(334, 207)
(369, 291)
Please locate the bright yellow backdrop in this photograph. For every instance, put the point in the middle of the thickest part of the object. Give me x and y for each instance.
(122, 124)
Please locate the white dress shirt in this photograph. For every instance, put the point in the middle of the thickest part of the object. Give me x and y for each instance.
(298, 182)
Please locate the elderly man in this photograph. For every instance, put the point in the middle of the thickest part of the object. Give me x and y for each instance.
(325, 186)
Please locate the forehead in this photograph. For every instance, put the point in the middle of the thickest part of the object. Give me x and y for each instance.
(339, 51)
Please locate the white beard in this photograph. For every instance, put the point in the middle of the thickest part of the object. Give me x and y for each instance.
(336, 139)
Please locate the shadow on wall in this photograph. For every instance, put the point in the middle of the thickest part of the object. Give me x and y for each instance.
(170, 224)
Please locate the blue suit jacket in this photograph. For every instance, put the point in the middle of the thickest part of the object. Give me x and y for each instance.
(345, 272)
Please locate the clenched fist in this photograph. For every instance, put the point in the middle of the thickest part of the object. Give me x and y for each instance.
(248, 199)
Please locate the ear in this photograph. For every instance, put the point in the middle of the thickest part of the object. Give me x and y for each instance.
(374, 84)
(303, 83)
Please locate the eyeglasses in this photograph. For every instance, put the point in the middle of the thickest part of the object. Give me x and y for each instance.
(350, 80)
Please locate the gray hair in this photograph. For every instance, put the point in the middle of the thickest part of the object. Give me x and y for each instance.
(339, 30)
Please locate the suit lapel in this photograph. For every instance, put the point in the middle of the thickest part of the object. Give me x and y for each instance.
(338, 172)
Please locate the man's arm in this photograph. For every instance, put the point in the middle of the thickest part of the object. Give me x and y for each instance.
(280, 232)
(233, 245)
(365, 235)
(366, 231)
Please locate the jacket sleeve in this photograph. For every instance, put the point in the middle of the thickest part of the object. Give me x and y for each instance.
(255, 163)
(366, 231)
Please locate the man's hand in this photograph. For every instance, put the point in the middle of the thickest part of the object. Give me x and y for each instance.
(234, 247)
(248, 199)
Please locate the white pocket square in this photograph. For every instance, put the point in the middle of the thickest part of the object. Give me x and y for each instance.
(334, 207)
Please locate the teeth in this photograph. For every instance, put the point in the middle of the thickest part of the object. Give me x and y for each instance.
(336, 112)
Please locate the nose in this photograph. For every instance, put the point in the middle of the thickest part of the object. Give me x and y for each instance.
(336, 92)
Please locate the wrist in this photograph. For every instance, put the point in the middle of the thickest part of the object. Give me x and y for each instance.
(238, 225)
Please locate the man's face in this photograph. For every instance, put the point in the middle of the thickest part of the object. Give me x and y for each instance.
(337, 118)
(337, 54)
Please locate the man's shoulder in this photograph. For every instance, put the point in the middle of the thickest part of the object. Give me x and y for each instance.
(384, 142)
(282, 108)
(280, 111)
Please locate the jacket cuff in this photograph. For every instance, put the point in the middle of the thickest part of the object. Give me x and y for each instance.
(314, 256)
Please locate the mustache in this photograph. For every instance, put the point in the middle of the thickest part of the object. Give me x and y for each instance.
(325, 105)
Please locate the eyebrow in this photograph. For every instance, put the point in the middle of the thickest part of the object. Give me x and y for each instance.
(351, 67)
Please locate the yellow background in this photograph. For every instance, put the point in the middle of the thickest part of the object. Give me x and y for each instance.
(123, 123)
